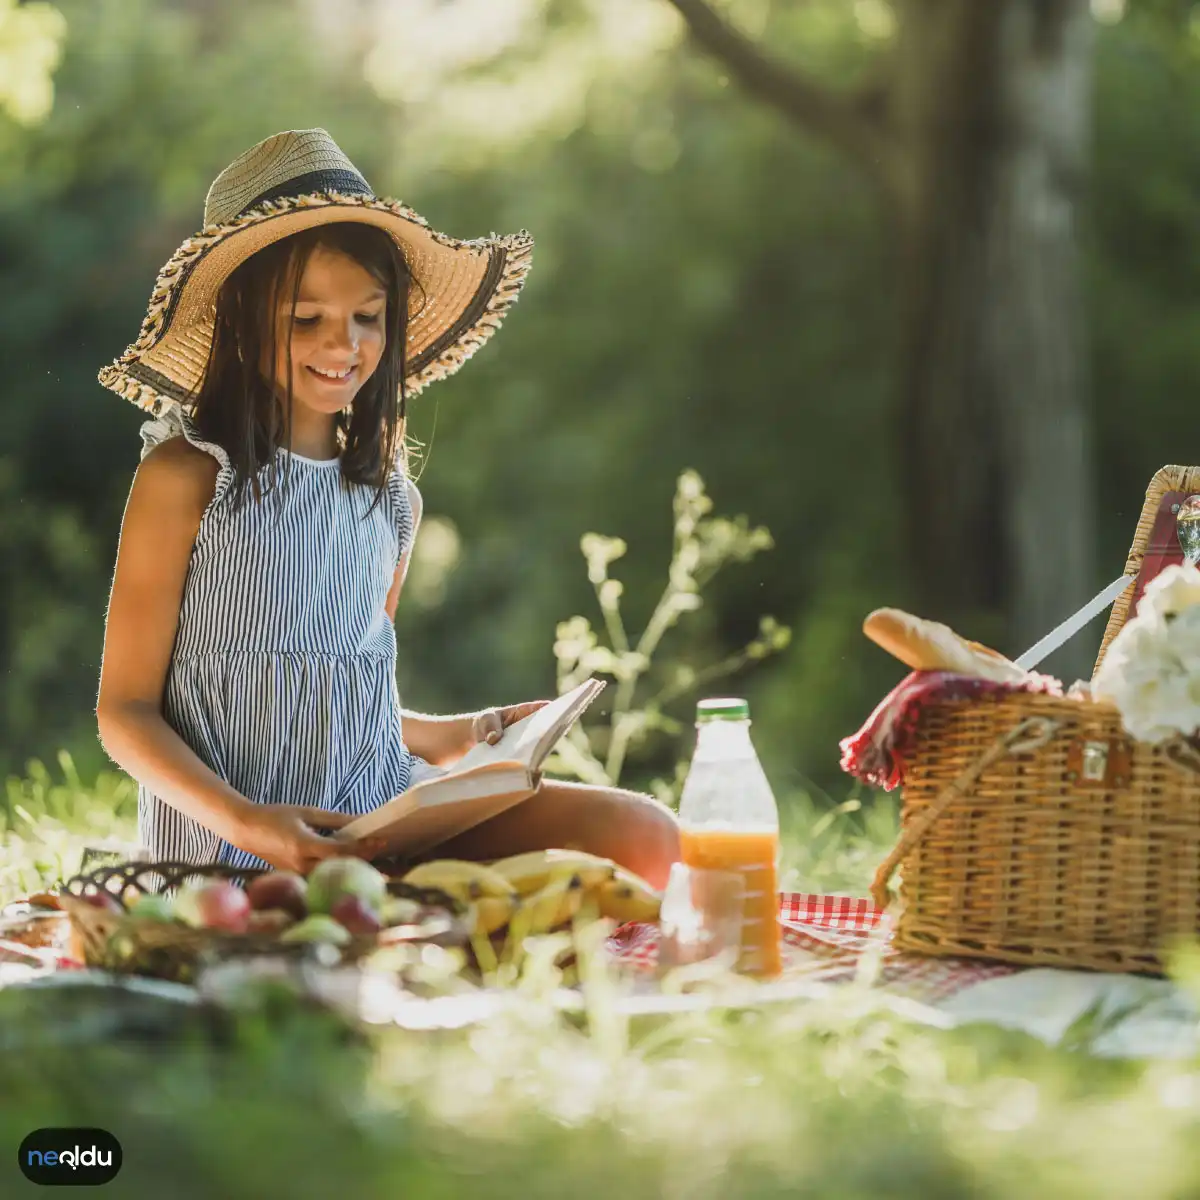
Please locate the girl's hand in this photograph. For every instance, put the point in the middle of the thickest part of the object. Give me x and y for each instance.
(283, 835)
(488, 725)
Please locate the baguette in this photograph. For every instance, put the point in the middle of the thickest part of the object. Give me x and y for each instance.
(930, 646)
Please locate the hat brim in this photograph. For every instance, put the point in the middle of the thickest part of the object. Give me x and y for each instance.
(465, 290)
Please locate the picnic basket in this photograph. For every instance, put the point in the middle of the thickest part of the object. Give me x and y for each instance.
(171, 950)
(1036, 830)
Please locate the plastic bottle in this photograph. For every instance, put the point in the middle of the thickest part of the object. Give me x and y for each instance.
(729, 822)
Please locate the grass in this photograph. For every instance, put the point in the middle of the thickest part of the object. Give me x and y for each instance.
(836, 1098)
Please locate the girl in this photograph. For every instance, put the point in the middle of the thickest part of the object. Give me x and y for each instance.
(248, 678)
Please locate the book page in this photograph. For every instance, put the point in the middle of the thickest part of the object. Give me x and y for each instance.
(485, 781)
(529, 741)
(450, 806)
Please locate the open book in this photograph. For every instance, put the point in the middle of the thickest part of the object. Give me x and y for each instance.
(484, 782)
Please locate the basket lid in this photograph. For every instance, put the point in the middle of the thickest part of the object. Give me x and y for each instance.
(1155, 543)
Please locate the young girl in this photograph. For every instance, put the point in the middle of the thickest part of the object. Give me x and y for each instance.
(248, 679)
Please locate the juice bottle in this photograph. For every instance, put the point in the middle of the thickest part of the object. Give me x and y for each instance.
(729, 822)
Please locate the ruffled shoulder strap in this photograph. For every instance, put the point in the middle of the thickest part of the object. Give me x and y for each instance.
(174, 422)
(401, 490)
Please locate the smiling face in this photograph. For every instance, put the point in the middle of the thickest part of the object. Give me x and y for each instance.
(343, 344)
(338, 333)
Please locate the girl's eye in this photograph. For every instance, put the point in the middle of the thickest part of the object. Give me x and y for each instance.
(362, 317)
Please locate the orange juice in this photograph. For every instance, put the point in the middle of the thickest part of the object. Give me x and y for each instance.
(752, 853)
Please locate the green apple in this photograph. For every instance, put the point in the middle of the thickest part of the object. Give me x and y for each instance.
(337, 877)
(317, 928)
(151, 907)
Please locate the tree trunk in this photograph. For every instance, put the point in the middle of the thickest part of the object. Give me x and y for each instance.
(992, 103)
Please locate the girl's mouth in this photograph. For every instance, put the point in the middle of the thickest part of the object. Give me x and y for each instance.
(333, 381)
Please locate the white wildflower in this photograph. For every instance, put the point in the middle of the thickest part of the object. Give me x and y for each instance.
(1172, 590)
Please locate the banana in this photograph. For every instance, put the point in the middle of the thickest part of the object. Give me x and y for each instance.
(465, 881)
(627, 897)
(551, 906)
(531, 872)
(491, 913)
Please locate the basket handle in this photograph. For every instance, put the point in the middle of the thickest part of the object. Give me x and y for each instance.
(1030, 734)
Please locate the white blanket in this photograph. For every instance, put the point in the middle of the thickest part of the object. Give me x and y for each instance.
(1117, 1016)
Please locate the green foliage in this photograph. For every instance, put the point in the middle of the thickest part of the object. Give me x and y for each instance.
(711, 291)
(45, 826)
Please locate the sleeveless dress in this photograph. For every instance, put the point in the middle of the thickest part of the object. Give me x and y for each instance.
(283, 674)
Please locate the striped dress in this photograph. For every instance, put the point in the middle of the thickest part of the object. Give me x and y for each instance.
(283, 674)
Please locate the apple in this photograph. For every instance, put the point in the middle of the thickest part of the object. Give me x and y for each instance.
(104, 900)
(337, 877)
(355, 916)
(317, 928)
(280, 889)
(151, 907)
(214, 905)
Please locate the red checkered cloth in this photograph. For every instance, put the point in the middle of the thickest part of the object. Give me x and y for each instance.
(833, 939)
(876, 754)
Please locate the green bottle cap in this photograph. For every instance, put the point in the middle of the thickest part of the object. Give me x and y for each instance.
(723, 709)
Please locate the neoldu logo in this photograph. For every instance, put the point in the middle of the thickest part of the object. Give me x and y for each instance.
(69, 1156)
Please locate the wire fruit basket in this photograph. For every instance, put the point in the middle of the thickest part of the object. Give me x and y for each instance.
(112, 938)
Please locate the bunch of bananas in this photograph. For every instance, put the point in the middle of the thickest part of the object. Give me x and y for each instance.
(540, 891)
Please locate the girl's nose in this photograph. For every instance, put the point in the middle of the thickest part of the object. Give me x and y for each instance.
(343, 335)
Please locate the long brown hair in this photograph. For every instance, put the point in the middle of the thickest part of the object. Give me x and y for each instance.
(240, 410)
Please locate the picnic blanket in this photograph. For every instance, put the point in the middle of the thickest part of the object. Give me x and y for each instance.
(832, 939)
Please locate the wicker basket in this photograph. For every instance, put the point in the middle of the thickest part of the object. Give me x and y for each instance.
(171, 950)
(1035, 830)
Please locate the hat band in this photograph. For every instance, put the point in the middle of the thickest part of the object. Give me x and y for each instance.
(349, 182)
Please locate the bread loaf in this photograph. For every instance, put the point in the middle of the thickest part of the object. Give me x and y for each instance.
(930, 646)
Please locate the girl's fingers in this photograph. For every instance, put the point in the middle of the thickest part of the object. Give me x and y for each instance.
(489, 725)
(314, 845)
(323, 818)
(518, 712)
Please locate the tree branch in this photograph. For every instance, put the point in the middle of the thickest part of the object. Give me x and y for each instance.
(851, 122)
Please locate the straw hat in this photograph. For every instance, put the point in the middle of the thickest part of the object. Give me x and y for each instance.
(293, 181)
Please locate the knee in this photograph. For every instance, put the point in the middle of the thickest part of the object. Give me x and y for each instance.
(638, 832)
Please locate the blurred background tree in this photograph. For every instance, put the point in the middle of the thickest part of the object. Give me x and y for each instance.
(710, 291)
(973, 126)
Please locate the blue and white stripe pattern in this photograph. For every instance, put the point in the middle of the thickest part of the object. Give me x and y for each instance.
(283, 674)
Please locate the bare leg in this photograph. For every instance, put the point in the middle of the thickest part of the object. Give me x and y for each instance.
(634, 830)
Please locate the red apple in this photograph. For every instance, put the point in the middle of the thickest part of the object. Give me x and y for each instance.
(279, 889)
(104, 900)
(355, 916)
(215, 905)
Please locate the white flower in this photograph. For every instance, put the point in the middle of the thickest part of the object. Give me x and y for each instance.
(1173, 590)
(1151, 671)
